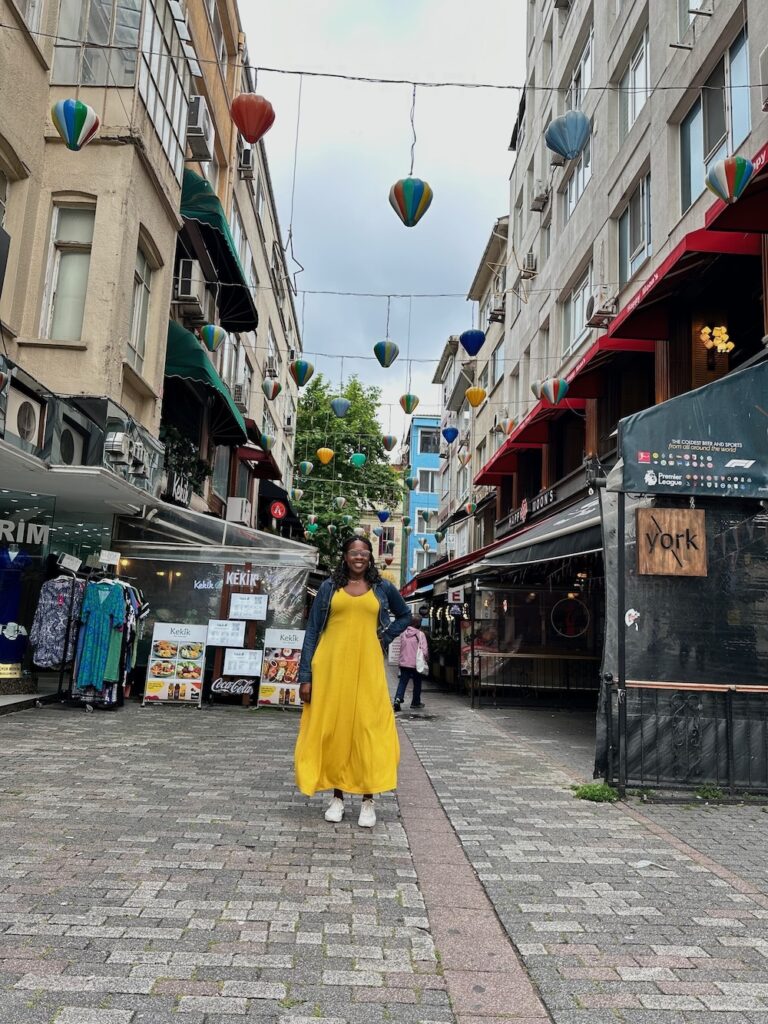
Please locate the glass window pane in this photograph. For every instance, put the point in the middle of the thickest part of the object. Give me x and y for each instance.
(713, 95)
(69, 298)
(66, 65)
(624, 248)
(739, 96)
(99, 19)
(70, 19)
(636, 220)
(75, 225)
(691, 156)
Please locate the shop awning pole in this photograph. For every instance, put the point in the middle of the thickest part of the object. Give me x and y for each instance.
(621, 646)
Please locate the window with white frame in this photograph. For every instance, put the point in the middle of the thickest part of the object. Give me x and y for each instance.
(231, 359)
(142, 286)
(273, 353)
(219, 41)
(427, 481)
(633, 87)
(574, 312)
(423, 559)
(581, 76)
(3, 197)
(238, 234)
(462, 482)
(220, 475)
(445, 481)
(497, 363)
(422, 523)
(30, 12)
(211, 171)
(718, 122)
(462, 540)
(482, 380)
(268, 424)
(579, 179)
(260, 202)
(635, 231)
(97, 42)
(481, 453)
(546, 53)
(429, 441)
(387, 537)
(253, 279)
(546, 241)
(71, 240)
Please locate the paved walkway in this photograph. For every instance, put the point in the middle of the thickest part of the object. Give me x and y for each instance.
(158, 866)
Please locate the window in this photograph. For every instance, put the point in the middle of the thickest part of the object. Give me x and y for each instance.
(483, 378)
(480, 454)
(633, 87)
(717, 123)
(427, 479)
(30, 12)
(142, 276)
(445, 480)
(578, 180)
(273, 354)
(686, 15)
(574, 312)
(238, 234)
(387, 537)
(3, 197)
(635, 231)
(462, 482)
(72, 236)
(429, 441)
(422, 559)
(260, 202)
(546, 53)
(219, 42)
(422, 523)
(220, 477)
(546, 241)
(497, 363)
(106, 34)
(268, 425)
(581, 76)
(164, 81)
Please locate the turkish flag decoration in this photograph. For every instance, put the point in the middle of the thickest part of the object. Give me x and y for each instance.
(253, 115)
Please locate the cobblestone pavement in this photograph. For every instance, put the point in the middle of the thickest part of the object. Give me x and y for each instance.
(654, 915)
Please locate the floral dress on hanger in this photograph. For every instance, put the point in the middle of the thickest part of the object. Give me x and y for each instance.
(103, 612)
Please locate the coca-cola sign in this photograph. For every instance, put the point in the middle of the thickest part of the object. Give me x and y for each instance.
(233, 687)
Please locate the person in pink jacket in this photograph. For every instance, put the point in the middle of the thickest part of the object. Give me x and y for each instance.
(411, 641)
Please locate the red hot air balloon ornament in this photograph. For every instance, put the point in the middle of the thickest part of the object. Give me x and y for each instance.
(253, 115)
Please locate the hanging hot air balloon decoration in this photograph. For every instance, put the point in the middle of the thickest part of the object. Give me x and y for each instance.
(568, 134)
(450, 434)
(536, 389)
(253, 115)
(382, 514)
(506, 426)
(475, 395)
(427, 514)
(313, 527)
(554, 389)
(296, 494)
(406, 520)
(305, 467)
(472, 341)
(388, 559)
(76, 123)
(301, 371)
(728, 178)
(386, 352)
(331, 528)
(312, 518)
(389, 441)
(408, 402)
(439, 536)
(470, 508)
(378, 531)
(407, 530)
(410, 199)
(347, 520)
(213, 336)
(325, 455)
(390, 546)
(464, 458)
(340, 502)
(340, 407)
(267, 442)
(271, 388)
(359, 531)
(411, 482)
(357, 459)
(307, 535)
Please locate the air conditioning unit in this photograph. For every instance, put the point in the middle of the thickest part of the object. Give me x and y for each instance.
(764, 78)
(291, 354)
(200, 133)
(118, 448)
(528, 268)
(601, 308)
(288, 426)
(190, 289)
(24, 417)
(247, 163)
(239, 511)
(240, 397)
(540, 196)
(270, 370)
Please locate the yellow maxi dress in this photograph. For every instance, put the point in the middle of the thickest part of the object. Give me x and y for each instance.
(347, 736)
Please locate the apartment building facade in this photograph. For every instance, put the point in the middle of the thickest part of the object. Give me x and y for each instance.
(421, 504)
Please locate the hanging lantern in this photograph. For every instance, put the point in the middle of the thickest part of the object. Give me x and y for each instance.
(386, 352)
(296, 494)
(554, 389)
(439, 536)
(568, 134)
(378, 531)
(406, 520)
(76, 123)
(411, 482)
(301, 371)
(470, 508)
(408, 402)
(472, 341)
(475, 395)
(271, 389)
(213, 336)
(465, 458)
(325, 455)
(389, 441)
(347, 520)
(450, 434)
(388, 559)
(267, 442)
(312, 518)
(253, 115)
(331, 528)
(410, 199)
(407, 530)
(728, 178)
(340, 502)
(305, 468)
(313, 528)
(390, 546)
(340, 407)
(383, 515)
(506, 426)
(359, 531)
(536, 389)
(357, 459)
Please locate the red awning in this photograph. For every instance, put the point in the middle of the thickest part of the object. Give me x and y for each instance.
(447, 568)
(261, 463)
(750, 212)
(646, 315)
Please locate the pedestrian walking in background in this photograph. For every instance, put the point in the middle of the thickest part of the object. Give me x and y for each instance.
(414, 663)
(347, 738)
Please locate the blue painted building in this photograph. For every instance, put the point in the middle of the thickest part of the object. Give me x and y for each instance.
(423, 457)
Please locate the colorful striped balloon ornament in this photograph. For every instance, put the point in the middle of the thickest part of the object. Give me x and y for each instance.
(271, 389)
(305, 468)
(359, 531)
(325, 455)
(470, 508)
(213, 336)
(506, 426)
(301, 371)
(408, 402)
(76, 123)
(386, 352)
(472, 341)
(407, 530)
(357, 459)
(728, 178)
(411, 482)
(406, 520)
(267, 442)
(331, 528)
(554, 389)
(389, 441)
(439, 536)
(340, 407)
(296, 494)
(410, 198)
(536, 389)
(312, 518)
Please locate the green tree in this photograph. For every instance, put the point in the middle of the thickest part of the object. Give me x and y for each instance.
(375, 486)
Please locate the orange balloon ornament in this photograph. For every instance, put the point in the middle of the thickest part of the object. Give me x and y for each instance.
(325, 455)
(253, 115)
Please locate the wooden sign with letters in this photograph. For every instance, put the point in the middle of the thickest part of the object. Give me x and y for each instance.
(671, 542)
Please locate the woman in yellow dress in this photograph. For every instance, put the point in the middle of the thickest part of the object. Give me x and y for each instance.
(347, 737)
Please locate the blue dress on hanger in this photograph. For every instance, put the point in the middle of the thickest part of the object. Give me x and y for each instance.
(12, 566)
(103, 611)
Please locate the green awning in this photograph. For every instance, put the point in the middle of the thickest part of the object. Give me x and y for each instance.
(186, 358)
(199, 203)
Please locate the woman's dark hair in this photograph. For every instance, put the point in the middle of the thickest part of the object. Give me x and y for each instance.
(340, 575)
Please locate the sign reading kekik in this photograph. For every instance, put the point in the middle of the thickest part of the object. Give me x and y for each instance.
(671, 542)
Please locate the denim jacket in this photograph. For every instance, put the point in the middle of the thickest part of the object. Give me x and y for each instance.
(390, 604)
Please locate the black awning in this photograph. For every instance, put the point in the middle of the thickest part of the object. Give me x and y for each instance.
(575, 530)
(269, 491)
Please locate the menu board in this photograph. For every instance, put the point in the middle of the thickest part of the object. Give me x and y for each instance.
(248, 606)
(176, 664)
(226, 633)
(280, 669)
(241, 662)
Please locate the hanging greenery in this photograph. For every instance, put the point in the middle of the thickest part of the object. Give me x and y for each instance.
(182, 456)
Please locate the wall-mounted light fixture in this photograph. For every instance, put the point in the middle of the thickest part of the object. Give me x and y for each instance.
(717, 338)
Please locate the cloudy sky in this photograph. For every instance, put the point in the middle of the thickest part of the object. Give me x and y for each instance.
(354, 142)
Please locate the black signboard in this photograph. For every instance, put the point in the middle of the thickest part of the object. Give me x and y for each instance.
(712, 441)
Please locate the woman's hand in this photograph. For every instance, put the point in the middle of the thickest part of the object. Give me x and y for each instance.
(305, 692)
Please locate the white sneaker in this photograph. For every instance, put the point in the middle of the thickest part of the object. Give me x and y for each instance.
(335, 810)
(367, 817)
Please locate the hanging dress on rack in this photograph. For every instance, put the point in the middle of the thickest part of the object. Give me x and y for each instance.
(58, 607)
(102, 614)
